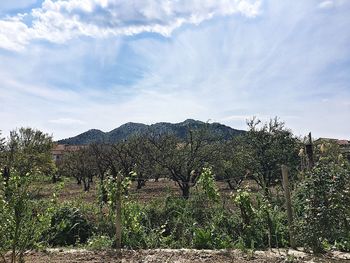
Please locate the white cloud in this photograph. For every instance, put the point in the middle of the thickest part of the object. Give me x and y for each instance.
(43, 92)
(329, 4)
(326, 4)
(59, 21)
(228, 70)
(66, 121)
(14, 34)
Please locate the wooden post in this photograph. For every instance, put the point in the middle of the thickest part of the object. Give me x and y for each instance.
(310, 152)
(288, 205)
(118, 224)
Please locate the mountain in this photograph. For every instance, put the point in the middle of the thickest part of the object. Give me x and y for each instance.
(130, 129)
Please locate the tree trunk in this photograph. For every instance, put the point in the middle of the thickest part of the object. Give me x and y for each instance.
(86, 185)
(78, 180)
(230, 184)
(140, 183)
(185, 190)
(54, 178)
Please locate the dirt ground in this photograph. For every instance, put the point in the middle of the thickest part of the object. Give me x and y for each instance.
(152, 190)
(179, 256)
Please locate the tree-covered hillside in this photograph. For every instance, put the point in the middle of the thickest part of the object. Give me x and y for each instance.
(130, 129)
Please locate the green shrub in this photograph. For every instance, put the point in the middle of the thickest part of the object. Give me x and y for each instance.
(207, 186)
(322, 205)
(257, 219)
(22, 220)
(202, 238)
(99, 243)
(69, 227)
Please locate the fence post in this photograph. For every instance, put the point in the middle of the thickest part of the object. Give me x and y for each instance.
(310, 152)
(288, 205)
(118, 224)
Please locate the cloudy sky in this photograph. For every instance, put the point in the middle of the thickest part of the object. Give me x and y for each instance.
(67, 66)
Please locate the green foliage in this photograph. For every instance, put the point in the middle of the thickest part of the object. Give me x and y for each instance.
(28, 151)
(206, 184)
(134, 234)
(257, 217)
(100, 243)
(201, 220)
(270, 145)
(68, 227)
(322, 204)
(202, 238)
(234, 162)
(22, 220)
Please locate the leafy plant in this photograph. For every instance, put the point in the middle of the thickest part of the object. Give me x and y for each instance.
(22, 221)
(69, 227)
(99, 243)
(206, 184)
(322, 204)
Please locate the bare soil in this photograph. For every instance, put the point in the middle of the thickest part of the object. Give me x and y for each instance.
(179, 256)
(151, 191)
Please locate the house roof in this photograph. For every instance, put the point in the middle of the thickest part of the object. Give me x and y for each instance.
(63, 148)
(339, 142)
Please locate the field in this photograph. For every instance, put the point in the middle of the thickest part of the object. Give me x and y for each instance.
(151, 191)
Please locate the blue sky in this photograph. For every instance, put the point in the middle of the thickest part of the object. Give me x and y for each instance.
(69, 66)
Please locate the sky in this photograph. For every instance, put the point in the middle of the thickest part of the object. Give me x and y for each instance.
(67, 66)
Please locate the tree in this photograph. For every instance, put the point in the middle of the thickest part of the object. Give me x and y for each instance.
(98, 151)
(28, 151)
(270, 145)
(144, 165)
(183, 159)
(2, 151)
(80, 164)
(234, 163)
(25, 156)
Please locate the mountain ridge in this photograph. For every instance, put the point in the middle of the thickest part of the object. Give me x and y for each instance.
(128, 129)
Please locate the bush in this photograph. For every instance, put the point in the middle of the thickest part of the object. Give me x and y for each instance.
(69, 227)
(22, 221)
(100, 243)
(256, 218)
(322, 205)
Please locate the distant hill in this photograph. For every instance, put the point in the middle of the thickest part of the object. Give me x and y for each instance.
(130, 129)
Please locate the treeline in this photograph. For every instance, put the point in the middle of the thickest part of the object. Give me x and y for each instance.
(257, 155)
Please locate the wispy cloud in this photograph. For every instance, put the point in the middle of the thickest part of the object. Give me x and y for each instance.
(292, 62)
(66, 121)
(59, 21)
(326, 4)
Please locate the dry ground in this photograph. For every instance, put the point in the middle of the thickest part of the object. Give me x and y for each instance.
(152, 190)
(179, 256)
